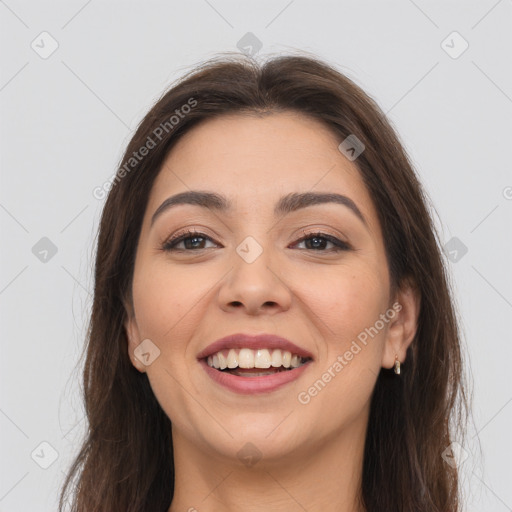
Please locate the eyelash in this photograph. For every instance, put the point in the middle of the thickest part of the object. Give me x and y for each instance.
(169, 245)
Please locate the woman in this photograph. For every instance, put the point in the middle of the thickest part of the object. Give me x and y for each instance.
(272, 326)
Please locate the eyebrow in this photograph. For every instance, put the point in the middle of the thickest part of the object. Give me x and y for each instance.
(286, 204)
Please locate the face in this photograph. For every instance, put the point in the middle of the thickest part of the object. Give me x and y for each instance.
(313, 273)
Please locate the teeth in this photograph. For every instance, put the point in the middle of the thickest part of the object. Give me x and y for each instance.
(232, 359)
(295, 362)
(277, 358)
(223, 362)
(247, 358)
(262, 359)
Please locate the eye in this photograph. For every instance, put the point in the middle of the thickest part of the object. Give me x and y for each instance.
(319, 240)
(192, 240)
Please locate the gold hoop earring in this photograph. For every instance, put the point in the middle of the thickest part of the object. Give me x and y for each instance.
(397, 365)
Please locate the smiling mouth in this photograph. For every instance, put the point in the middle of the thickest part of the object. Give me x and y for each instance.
(245, 362)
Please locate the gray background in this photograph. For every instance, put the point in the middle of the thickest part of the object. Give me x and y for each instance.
(67, 117)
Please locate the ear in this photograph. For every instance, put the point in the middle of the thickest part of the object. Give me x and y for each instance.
(402, 328)
(133, 337)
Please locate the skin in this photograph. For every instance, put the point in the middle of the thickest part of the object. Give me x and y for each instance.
(311, 454)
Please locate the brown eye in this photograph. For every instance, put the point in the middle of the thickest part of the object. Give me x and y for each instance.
(193, 240)
(317, 242)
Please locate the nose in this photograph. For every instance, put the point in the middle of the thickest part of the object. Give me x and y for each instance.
(255, 286)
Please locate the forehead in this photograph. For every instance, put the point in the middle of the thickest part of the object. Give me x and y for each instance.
(255, 160)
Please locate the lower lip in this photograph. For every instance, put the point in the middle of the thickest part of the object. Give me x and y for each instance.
(251, 385)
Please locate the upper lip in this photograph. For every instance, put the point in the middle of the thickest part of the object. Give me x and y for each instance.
(254, 342)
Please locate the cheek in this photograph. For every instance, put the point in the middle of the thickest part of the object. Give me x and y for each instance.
(165, 301)
(347, 301)
(348, 306)
(168, 309)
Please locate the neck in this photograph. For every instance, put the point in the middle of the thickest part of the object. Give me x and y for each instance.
(325, 477)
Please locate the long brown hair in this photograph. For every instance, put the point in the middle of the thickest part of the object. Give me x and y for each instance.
(126, 460)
